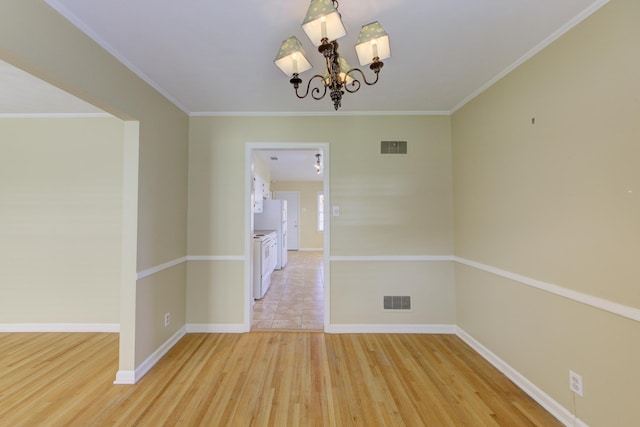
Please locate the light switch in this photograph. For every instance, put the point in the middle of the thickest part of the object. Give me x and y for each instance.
(336, 211)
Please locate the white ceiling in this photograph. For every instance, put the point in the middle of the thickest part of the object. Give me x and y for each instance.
(210, 56)
(213, 57)
(292, 165)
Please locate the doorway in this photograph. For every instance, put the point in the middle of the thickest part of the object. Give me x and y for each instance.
(298, 296)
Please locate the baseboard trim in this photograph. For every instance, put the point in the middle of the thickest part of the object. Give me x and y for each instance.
(125, 377)
(378, 258)
(132, 377)
(216, 328)
(311, 249)
(60, 327)
(547, 402)
(389, 329)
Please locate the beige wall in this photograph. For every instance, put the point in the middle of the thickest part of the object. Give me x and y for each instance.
(310, 237)
(557, 201)
(60, 220)
(36, 38)
(390, 206)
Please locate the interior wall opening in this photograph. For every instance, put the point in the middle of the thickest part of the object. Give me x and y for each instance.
(286, 226)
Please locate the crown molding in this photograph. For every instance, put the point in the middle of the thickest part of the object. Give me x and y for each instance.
(71, 17)
(56, 116)
(536, 49)
(315, 113)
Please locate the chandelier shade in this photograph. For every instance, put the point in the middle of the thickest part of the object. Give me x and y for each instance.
(323, 26)
(291, 58)
(372, 43)
(323, 21)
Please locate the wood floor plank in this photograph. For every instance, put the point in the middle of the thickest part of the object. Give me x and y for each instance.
(261, 379)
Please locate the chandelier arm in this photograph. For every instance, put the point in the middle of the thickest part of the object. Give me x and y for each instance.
(354, 85)
(349, 88)
(315, 91)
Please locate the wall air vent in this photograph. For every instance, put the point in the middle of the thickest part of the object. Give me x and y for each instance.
(397, 302)
(393, 147)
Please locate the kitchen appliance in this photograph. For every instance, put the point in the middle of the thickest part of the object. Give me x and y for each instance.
(265, 256)
(274, 217)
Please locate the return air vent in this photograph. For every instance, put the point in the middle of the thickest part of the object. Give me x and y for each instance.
(393, 147)
(397, 302)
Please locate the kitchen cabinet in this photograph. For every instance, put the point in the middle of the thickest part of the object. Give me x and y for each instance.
(261, 191)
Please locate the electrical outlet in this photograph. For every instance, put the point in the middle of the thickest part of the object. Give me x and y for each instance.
(575, 383)
(167, 319)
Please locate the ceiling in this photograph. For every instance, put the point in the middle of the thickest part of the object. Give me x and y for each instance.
(215, 57)
(292, 165)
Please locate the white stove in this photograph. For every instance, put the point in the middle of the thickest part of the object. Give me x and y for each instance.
(265, 257)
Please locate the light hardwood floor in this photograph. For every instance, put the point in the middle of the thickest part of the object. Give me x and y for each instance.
(260, 379)
(295, 299)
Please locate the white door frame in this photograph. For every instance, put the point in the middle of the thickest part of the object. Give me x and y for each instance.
(248, 221)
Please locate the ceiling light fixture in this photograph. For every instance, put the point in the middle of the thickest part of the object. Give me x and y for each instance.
(323, 26)
(318, 164)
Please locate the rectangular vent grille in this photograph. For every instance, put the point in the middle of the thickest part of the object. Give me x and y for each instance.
(393, 147)
(397, 302)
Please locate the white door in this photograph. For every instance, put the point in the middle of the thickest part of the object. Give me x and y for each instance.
(293, 215)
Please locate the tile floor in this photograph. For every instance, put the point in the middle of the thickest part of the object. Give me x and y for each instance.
(295, 299)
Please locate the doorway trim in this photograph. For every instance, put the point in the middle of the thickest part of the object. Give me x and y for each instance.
(248, 222)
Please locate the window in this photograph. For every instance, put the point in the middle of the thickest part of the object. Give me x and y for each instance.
(320, 212)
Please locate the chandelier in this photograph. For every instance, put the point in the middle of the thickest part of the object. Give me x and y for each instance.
(318, 164)
(323, 26)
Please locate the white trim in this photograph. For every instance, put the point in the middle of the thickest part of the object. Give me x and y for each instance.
(546, 401)
(536, 49)
(377, 258)
(326, 234)
(129, 243)
(125, 377)
(215, 258)
(158, 268)
(590, 300)
(389, 329)
(132, 377)
(216, 328)
(57, 116)
(60, 327)
(314, 113)
(248, 220)
(310, 249)
(62, 10)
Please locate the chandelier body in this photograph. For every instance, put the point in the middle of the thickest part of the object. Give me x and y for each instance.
(322, 23)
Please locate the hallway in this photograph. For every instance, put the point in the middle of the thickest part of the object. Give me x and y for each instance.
(295, 299)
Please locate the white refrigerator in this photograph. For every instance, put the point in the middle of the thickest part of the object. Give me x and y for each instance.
(274, 217)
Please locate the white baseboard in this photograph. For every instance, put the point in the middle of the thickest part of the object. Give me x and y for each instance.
(125, 377)
(547, 402)
(216, 328)
(389, 329)
(311, 249)
(132, 377)
(60, 327)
